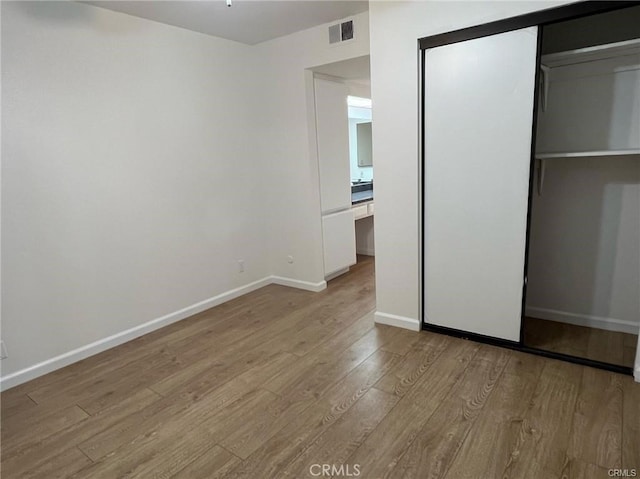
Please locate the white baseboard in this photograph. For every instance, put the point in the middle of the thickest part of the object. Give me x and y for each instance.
(608, 324)
(636, 374)
(366, 251)
(335, 274)
(101, 345)
(296, 283)
(397, 321)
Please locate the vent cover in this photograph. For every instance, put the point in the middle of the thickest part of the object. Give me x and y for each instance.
(341, 32)
(347, 30)
(335, 35)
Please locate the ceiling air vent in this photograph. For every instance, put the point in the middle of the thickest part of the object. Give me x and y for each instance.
(347, 30)
(335, 34)
(341, 32)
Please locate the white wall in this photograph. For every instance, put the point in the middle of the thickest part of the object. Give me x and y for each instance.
(359, 88)
(140, 162)
(394, 90)
(289, 144)
(129, 188)
(584, 260)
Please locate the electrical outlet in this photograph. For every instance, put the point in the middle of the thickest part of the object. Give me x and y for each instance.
(290, 259)
(3, 351)
(240, 266)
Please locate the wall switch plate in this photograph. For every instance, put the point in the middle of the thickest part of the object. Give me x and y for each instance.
(3, 351)
(290, 259)
(241, 266)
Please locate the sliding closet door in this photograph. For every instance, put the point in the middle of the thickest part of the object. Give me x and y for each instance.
(478, 107)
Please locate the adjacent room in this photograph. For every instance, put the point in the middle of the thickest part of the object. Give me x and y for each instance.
(195, 282)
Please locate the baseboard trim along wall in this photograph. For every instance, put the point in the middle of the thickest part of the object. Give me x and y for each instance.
(122, 337)
(335, 274)
(397, 321)
(366, 251)
(296, 283)
(608, 324)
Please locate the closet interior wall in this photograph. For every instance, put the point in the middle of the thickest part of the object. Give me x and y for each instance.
(584, 253)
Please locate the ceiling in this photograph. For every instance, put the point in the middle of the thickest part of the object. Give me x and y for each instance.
(247, 21)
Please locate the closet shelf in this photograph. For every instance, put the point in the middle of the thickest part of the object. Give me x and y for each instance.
(542, 158)
(587, 154)
(588, 54)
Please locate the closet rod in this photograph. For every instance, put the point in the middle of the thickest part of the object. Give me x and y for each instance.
(592, 54)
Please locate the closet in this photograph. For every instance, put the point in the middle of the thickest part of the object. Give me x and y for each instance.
(530, 176)
(583, 293)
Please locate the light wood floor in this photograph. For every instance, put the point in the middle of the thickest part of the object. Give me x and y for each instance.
(591, 343)
(269, 384)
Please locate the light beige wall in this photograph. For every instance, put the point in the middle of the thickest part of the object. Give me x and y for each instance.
(130, 184)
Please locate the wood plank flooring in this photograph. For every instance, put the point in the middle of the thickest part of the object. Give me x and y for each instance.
(280, 382)
(597, 344)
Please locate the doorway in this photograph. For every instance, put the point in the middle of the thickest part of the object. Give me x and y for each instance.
(343, 129)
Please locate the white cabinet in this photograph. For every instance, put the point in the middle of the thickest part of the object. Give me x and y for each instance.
(362, 210)
(339, 238)
(332, 131)
(359, 211)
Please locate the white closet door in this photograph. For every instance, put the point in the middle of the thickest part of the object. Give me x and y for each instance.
(478, 120)
(332, 129)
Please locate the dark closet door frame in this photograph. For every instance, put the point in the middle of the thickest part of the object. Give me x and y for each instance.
(539, 19)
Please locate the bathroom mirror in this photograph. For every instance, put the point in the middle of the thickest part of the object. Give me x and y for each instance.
(364, 144)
